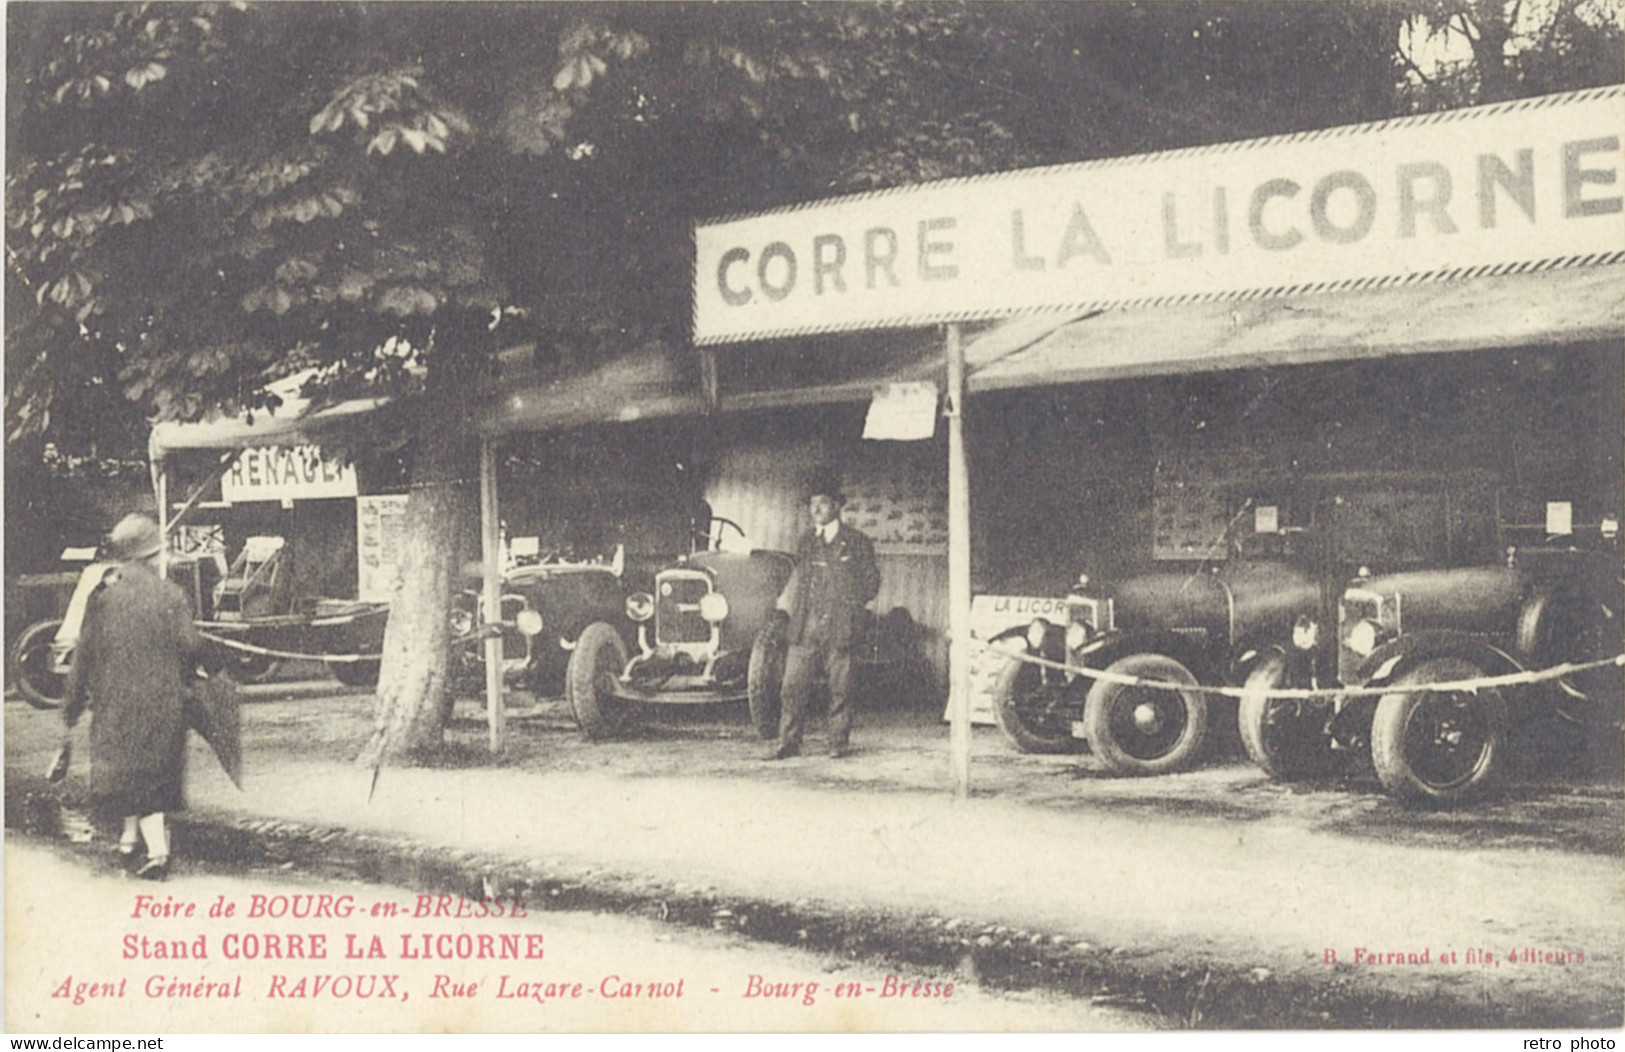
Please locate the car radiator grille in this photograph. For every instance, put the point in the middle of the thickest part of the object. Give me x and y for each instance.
(677, 609)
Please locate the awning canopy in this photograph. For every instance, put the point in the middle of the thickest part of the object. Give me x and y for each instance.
(1540, 308)
(658, 382)
(1537, 308)
(293, 423)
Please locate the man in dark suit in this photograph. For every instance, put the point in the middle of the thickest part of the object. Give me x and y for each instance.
(834, 579)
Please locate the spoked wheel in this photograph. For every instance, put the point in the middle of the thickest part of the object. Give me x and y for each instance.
(1139, 729)
(1439, 746)
(30, 666)
(1035, 716)
(597, 661)
(1287, 737)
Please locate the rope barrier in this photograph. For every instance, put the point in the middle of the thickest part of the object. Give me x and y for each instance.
(1512, 679)
(285, 655)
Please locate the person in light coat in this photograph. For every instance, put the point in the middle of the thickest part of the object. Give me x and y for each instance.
(135, 651)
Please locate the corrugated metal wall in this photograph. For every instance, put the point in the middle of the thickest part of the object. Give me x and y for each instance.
(756, 475)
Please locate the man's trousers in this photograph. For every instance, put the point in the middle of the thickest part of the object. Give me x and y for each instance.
(804, 666)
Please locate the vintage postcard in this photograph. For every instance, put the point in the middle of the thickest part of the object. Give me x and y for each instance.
(838, 517)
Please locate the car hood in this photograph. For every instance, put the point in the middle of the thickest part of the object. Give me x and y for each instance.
(1260, 597)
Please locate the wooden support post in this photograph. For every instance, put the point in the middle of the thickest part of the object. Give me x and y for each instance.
(197, 494)
(491, 595)
(710, 379)
(160, 486)
(958, 569)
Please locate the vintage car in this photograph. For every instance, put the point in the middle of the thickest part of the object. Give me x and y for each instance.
(35, 606)
(695, 632)
(1184, 628)
(706, 634)
(545, 609)
(1407, 630)
(345, 634)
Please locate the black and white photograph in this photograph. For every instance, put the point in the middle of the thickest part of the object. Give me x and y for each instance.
(886, 517)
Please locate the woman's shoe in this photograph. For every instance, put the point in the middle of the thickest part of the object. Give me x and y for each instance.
(155, 869)
(128, 858)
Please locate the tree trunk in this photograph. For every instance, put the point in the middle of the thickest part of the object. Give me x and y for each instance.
(1496, 79)
(413, 701)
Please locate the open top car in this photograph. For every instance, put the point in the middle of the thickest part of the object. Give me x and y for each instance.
(545, 609)
(695, 630)
(706, 633)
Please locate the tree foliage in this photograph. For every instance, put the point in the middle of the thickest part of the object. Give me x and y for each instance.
(208, 195)
(1466, 52)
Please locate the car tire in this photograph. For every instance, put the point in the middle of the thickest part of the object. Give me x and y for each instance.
(1286, 737)
(1016, 709)
(1439, 747)
(358, 674)
(763, 680)
(1146, 730)
(30, 666)
(251, 668)
(598, 658)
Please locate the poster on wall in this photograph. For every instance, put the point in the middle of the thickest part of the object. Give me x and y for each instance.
(380, 522)
(989, 616)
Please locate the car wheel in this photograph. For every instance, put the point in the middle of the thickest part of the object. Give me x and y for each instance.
(1436, 746)
(251, 668)
(1138, 729)
(763, 680)
(1287, 737)
(30, 661)
(599, 657)
(355, 673)
(1029, 713)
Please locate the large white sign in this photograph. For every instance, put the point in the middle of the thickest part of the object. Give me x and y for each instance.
(285, 473)
(1535, 182)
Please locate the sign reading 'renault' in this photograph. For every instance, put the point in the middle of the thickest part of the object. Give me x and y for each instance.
(285, 473)
(1531, 183)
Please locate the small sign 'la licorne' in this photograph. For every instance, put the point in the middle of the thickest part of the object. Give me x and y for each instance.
(285, 473)
(1533, 182)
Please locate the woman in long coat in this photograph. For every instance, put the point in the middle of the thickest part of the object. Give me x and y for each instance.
(135, 647)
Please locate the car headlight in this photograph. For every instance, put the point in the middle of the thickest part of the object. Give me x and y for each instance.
(1305, 633)
(462, 622)
(1077, 634)
(529, 622)
(713, 607)
(640, 606)
(1362, 637)
(1036, 633)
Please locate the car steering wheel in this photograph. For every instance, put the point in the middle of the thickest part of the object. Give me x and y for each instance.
(719, 526)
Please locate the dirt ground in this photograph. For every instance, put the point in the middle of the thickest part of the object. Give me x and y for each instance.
(1213, 877)
(899, 750)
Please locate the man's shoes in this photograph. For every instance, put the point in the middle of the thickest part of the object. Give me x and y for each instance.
(783, 752)
(155, 869)
(839, 750)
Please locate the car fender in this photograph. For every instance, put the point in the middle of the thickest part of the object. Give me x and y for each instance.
(1285, 667)
(1395, 658)
(1114, 646)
